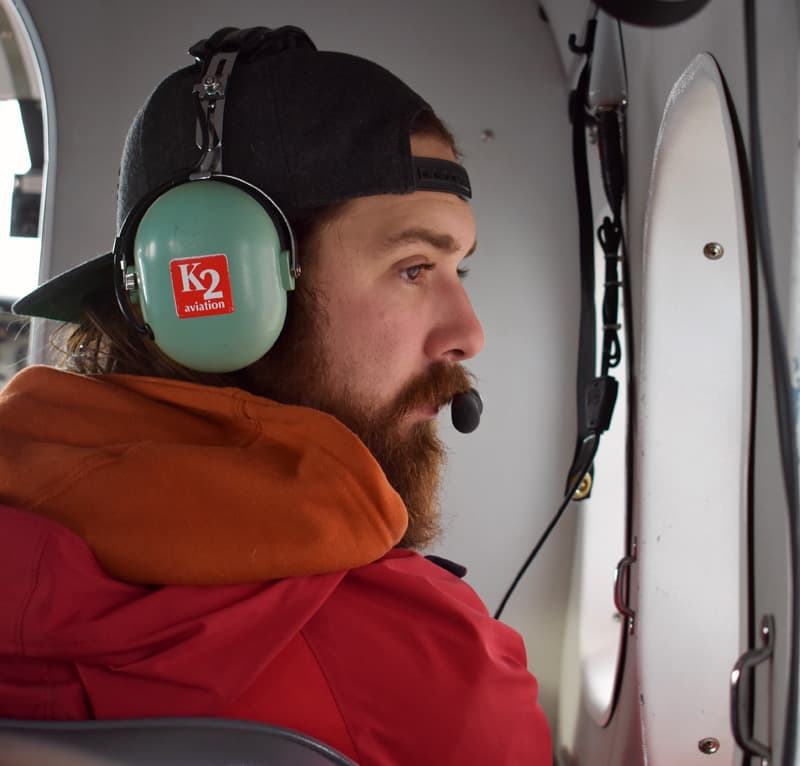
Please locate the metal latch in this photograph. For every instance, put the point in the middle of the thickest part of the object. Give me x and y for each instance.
(622, 589)
(745, 666)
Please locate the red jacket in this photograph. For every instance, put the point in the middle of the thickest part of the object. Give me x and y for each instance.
(392, 661)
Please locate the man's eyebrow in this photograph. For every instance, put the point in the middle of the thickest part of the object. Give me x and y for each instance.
(439, 240)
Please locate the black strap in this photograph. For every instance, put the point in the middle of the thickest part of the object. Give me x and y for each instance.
(596, 395)
(587, 339)
(252, 43)
(432, 174)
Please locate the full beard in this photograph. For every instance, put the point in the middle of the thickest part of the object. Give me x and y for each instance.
(297, 371)
(412, 456)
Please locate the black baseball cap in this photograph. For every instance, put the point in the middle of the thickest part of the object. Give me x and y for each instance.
(309, 128)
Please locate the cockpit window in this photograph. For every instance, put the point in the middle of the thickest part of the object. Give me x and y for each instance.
(21, 172)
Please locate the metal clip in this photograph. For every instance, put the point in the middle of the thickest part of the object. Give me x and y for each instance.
(746, 664)
(620, 583)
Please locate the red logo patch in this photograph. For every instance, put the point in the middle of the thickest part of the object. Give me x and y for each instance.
(201, 286)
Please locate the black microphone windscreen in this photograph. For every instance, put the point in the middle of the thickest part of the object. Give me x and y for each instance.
(465, 411)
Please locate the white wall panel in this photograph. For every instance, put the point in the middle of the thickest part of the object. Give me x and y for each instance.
(655, 60)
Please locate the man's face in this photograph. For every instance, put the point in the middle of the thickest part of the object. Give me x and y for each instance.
(380, 323)
(389, 273)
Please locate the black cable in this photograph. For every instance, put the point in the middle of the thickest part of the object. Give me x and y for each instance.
(582, 470)
(596, 396)
(780, 371)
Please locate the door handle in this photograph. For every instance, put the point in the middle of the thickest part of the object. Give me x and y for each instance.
(620, 581)
(746, 665)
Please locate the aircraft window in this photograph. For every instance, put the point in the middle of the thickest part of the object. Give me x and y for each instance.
(21, 169)
(19, 244)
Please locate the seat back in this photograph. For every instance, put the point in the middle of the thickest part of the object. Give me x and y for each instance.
(164, 742)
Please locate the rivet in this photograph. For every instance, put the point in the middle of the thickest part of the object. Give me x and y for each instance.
(713, 251)
(709, 745)
(487, 136)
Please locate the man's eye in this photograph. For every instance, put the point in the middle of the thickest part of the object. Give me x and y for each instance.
(462, 271)
(413, 273)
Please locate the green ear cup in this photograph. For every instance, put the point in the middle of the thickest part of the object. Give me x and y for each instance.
(212, 275)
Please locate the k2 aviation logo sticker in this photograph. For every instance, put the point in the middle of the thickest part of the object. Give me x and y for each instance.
(201, 286)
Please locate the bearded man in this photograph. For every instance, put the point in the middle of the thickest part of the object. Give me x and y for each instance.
(185, 534)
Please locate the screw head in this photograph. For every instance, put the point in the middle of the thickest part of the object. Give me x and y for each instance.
(212, 86)
(709, 745)
(713, 251)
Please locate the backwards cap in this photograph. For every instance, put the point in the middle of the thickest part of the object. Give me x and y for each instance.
(307, 127)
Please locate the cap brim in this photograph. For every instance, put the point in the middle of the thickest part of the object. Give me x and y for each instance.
(66, 297)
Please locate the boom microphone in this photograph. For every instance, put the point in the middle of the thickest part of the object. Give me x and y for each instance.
(465, 411)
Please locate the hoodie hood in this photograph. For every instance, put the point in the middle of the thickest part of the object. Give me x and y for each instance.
(170, 482)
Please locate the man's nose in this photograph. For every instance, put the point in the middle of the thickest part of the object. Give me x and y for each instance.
(457, 334)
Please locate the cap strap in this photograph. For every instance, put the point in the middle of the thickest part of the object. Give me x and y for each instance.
(441, 175)
(253, 42)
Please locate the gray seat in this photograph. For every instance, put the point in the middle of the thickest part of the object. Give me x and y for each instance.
(162, 742)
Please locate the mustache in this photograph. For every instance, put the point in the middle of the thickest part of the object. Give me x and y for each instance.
(434, 387)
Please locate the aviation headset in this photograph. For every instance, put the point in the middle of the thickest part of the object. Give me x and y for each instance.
(207, 257)
(204, 259)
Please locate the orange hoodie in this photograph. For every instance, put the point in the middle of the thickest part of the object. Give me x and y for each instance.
(150, 471)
